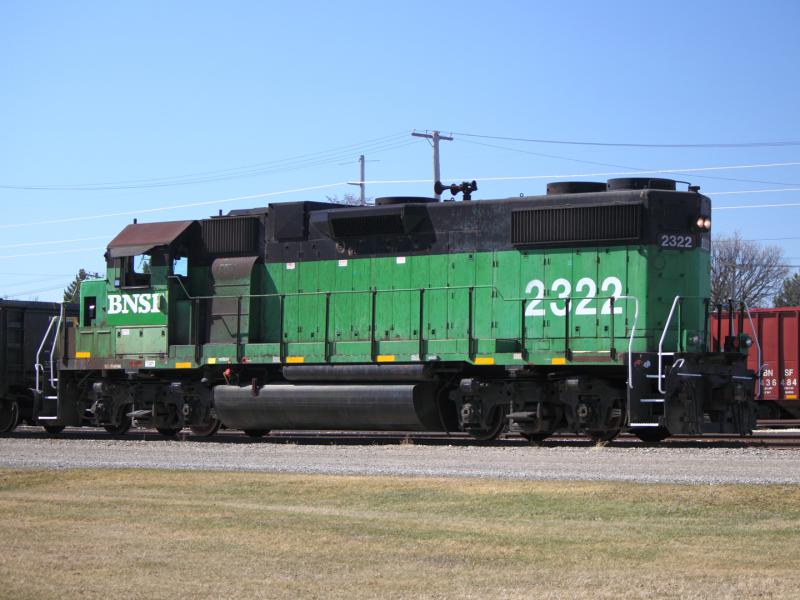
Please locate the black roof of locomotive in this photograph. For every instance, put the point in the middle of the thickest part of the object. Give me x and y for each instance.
(635, 211)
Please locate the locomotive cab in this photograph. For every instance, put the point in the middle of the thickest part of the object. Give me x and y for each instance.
(147, 266)
(129, 322)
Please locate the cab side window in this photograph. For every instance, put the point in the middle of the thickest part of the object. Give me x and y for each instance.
(134, 271)
(180, 266)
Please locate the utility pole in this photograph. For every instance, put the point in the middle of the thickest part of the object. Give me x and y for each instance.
(361, 180)
(435, 136)
(360, 183)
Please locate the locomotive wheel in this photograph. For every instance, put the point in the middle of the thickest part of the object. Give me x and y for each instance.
(494, 431)
(121, 428)
(206, 429)
(651, 436)
(256, 433)
(53, 429)
(9, 415)
(168, 432)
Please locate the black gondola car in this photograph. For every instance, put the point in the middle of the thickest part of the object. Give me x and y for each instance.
(22, 327)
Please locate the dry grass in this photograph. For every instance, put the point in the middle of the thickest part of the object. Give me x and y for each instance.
(156, 534)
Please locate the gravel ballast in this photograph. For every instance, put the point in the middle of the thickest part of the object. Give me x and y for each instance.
(702, 465)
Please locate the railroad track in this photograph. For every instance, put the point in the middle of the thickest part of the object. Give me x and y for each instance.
(778, 438)
(778, 424)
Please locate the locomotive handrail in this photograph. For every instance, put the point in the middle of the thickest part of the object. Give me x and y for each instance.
(183, 287)
(758, 348)
(38, 366)
(633, 331)
(661, 353)
(53, 380)
(414, 289)
(661, 344)
(420, 338)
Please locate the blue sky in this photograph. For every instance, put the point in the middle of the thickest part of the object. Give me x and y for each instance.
(138, 92)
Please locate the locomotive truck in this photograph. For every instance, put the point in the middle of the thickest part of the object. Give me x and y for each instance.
(582, 310)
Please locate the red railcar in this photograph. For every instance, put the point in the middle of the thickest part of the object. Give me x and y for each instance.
(778, 333)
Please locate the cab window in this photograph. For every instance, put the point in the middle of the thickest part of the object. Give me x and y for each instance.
(134, 271)
(180, 266)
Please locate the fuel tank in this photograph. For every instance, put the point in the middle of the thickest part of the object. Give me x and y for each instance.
(358, 373)
(392, 407)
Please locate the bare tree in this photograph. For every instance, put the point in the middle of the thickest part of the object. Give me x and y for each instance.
(745, 271)
(348, 199)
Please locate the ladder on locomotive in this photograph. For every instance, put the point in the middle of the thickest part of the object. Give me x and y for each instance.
(652, 406)
(46, 374)
(652, 409)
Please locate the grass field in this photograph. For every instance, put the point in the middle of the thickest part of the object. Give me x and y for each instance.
(157, 534)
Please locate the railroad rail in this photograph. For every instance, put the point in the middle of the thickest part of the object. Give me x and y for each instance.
(778, 424)
(773, 438)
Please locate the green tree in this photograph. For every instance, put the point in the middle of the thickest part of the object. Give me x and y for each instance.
(73, 290)
(789, 294)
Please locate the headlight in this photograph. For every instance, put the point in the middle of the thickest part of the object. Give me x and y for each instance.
(703, 223)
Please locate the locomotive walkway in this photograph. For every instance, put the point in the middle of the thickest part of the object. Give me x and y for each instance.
(731, 461)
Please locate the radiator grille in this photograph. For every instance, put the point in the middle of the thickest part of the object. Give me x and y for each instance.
(231, 236)
(617, 223)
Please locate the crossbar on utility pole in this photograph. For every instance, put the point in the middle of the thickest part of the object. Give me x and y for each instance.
(435, 136)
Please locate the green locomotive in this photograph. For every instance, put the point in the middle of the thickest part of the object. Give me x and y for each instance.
(583, 310)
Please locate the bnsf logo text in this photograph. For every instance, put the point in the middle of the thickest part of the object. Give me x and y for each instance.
(135, 303)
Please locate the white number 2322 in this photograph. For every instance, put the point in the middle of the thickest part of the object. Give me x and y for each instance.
(586, 287)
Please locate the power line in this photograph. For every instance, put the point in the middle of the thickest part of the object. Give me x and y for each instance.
(616, 166)
(30, 282)
(53, 242)
(776, 239)
(37, 273)
(282, 169)
(313, 155)
(543, 155)
(29, 292)
(173, 207)
(72, 251)
(631, 144)
(607, 174)
(787, 205)
(281, 165)
(411, 181)
(739, 192)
